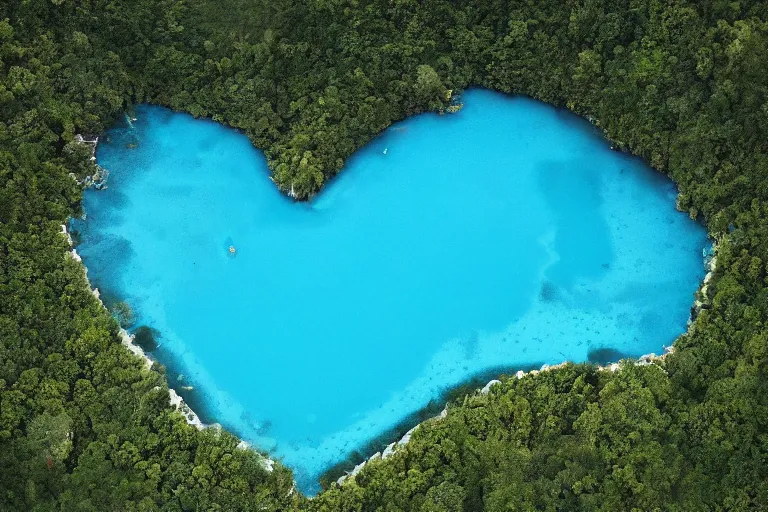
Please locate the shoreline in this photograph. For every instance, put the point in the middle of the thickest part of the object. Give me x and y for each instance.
(97, 181)
(396, 446)
(710, 264)
(126, 340)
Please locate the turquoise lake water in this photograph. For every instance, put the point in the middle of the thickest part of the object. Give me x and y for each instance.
(505, 236)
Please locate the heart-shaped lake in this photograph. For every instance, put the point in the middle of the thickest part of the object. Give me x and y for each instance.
(503, 236)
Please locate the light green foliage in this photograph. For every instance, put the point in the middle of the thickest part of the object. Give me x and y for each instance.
(51, 435)
(428, 86)
(123, 313)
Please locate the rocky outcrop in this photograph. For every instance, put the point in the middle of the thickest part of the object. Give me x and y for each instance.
(72, 251)
(487, 388)
(702, 295)
(178, 402)
(98, 179)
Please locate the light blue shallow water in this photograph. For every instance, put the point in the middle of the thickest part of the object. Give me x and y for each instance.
(503, 236)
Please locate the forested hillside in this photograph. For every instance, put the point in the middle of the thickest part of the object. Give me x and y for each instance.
(84, 426)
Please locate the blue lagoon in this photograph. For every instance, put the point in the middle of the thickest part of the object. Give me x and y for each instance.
(504, 236)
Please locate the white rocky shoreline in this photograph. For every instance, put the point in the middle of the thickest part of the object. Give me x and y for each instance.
(126, 340)
(175, 399)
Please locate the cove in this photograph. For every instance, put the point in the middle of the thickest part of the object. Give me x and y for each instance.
(504, 236)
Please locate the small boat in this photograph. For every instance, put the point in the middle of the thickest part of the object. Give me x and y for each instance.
(232, 249)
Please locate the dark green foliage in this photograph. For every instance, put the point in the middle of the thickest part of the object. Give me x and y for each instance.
(146, 337)
(85, 426)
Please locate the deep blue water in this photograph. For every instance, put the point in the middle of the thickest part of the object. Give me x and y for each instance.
(506, 235)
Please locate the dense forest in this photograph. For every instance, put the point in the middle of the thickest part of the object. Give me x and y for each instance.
(84, 425)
